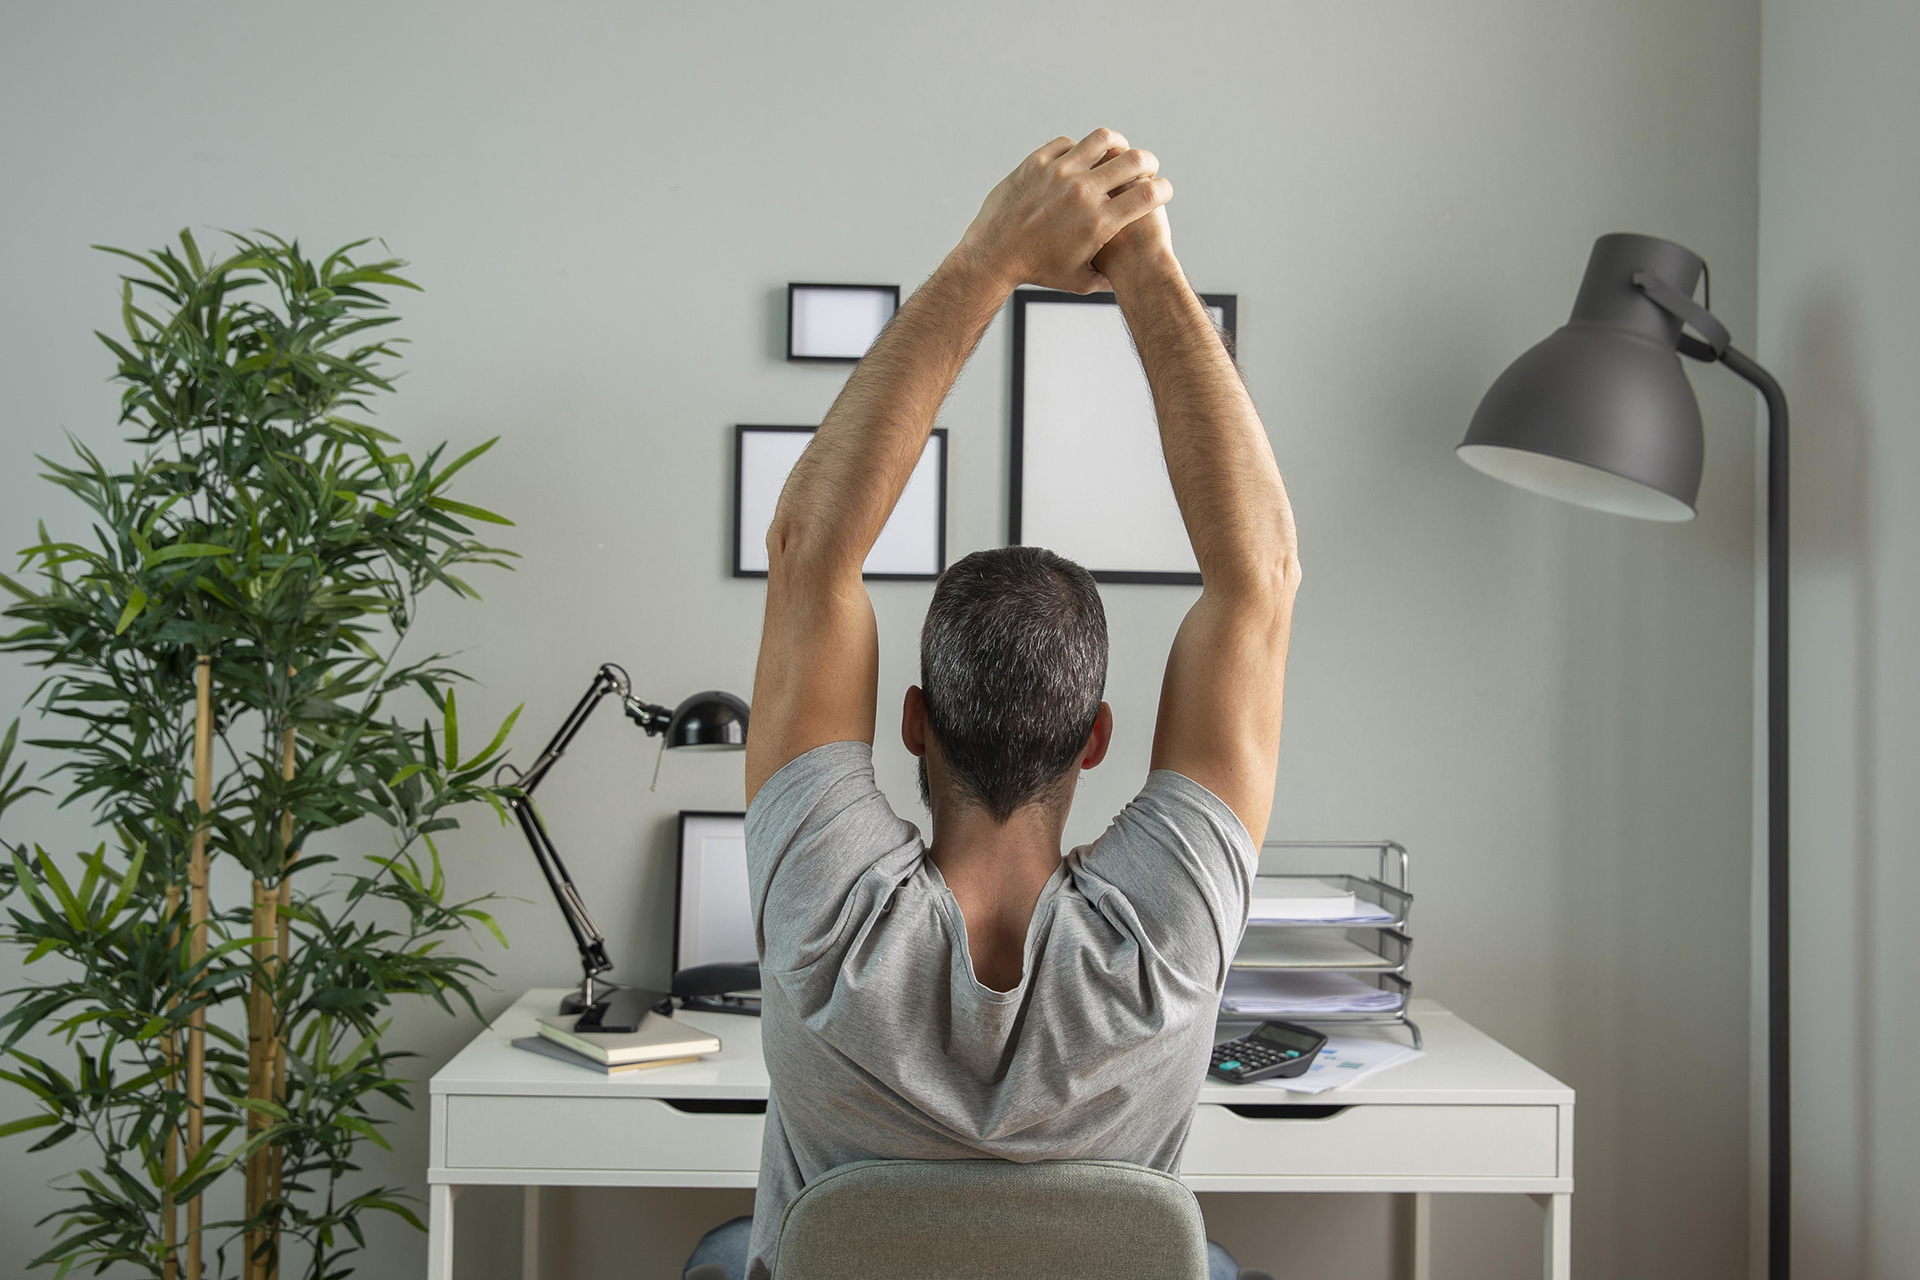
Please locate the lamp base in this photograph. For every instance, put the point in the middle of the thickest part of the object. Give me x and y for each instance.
(621, 1009)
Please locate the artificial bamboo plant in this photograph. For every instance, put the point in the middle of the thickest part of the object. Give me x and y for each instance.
(225, 653)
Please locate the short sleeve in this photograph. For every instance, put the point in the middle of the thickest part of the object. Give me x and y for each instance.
(816, 831)
(1176, 869)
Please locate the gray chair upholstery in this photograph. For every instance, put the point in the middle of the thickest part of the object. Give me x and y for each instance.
(992, 1220)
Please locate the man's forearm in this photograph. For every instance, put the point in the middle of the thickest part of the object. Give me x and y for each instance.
(847, 482)
(1218, 457)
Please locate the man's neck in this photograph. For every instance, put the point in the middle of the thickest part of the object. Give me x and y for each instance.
(996, 871)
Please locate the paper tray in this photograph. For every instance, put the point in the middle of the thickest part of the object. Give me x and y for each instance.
(1397, 903)
(1385, 981)
(1286, 946)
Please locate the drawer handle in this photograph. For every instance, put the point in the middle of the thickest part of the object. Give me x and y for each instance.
(719, 1106)
(1284, 1110)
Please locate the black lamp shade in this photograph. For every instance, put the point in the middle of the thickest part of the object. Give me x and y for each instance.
(714, 720)
(1600, 413)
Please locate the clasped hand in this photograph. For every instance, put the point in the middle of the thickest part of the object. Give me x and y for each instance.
(1071, 212)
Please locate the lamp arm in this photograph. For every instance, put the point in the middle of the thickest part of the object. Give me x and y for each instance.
(609, 679)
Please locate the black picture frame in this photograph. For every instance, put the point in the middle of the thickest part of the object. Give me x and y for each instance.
(943, 451)
(891, 290)
(1228, 303)
(680, 865)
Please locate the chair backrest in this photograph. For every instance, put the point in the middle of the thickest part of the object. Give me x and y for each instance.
(992, 1220)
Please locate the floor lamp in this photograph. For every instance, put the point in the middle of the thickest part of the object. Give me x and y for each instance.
(1600, 414)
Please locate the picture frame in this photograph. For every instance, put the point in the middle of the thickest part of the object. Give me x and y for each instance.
(912, 546)
(836, 323)
(713, 912)
(1086, 477)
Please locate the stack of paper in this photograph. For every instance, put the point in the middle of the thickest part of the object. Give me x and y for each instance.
(1295, 901)
(1345, 1059)
(1274, 992)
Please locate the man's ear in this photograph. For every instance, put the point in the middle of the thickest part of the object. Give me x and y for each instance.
(913, 721)
(1097, 741)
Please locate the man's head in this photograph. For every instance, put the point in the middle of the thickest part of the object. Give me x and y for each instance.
(1013, 663)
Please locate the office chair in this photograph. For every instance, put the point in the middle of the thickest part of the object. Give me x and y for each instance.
(993, 1220)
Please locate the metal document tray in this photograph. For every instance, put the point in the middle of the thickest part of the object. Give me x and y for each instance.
(1356, 948)
(1387, 889)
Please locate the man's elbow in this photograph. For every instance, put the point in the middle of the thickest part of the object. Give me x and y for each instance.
(1269, 583)
(797, 547)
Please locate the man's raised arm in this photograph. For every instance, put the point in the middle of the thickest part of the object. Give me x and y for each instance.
(1219, 721)
(819, 650)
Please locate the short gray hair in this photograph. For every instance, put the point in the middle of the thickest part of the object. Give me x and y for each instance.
(1013, 665)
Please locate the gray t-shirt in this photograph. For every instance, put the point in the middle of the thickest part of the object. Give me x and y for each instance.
(880, 1043)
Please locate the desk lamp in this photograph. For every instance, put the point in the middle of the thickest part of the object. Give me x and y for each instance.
(707, 721)
(1600, 414)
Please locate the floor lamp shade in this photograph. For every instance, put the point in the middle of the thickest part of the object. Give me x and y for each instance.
(1600, 413)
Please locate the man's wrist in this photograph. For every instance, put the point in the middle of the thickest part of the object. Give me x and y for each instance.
(976, 273)
(1144, 268)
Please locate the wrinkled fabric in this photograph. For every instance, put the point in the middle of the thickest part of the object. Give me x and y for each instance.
(879, 1042)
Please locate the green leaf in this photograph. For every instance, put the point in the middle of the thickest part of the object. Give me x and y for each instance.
(135, 603)
(405, 773)
(185, 551)
(466, 509)
(452, 753)
(439, 481)
(41, 1121)
(499, 738)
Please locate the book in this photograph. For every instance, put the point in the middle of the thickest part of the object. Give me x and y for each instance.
(658, 1037)
(552, 1049)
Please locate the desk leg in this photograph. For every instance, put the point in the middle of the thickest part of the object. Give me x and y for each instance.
(440, 1198)
(530, 1233)
(1559, 1234)
(1419, 1264)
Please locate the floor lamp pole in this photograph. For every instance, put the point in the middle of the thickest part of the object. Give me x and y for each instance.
(1779, 1106)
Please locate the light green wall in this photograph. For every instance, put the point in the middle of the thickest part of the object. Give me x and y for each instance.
(1549, 707)
(1839, 279)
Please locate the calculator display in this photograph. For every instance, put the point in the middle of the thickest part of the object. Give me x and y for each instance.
(1285, 1038)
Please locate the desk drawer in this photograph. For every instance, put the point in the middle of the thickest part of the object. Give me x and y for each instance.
(1378, 1141)
(503, 1132)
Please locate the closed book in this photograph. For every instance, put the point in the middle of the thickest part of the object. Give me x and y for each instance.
(658, 1037)
(552, 1049)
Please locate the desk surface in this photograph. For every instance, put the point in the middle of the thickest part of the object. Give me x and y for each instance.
(1462, 1065)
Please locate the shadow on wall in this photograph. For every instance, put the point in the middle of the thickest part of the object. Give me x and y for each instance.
(1835, 618)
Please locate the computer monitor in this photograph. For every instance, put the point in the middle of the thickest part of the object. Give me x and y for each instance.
(713, 920)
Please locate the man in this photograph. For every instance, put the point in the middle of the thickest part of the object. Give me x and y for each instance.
(980, 995)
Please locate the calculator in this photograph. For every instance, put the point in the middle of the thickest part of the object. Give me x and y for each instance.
(1271, 1051)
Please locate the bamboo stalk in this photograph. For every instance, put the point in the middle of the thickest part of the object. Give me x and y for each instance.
(197, 939)
(263, 1042)
(170, 1166)
(259, 1069)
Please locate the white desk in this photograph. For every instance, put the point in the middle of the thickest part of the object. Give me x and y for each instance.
(1471, 1115)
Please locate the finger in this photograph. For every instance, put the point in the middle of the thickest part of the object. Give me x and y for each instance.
(1140, 198)
(1053, 150)
(1125, 167)
(1094, 148)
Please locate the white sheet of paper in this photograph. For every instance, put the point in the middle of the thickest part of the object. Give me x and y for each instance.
(1094, 484)
(910, 542)
(839, 323)
(716, 914)
(1345, 1059)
